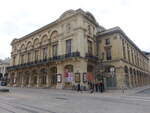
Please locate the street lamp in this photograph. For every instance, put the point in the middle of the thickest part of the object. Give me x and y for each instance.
(112, 70)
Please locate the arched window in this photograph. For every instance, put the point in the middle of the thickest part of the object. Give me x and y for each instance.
(43, 77)
(44, 39)
(54, 36)
(22, 47)
(69, 68)
(29, 45)
(36, 42)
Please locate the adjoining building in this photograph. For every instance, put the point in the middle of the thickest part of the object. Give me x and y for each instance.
(76, 49)
(148, 55)
(3, 67)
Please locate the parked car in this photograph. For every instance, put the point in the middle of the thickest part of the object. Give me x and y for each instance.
(3, 83)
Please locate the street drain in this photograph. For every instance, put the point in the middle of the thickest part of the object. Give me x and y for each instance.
(61, 98)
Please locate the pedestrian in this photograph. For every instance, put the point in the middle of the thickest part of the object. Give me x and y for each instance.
(96, 87)
(78, 87)
(100, 86)
(92, 88)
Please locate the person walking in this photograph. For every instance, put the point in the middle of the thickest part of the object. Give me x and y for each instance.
(100, 87)
(103, 89)
(92, 87)
(78, 88)
(96, 86)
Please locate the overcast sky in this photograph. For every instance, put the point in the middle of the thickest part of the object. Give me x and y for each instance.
(20, 17)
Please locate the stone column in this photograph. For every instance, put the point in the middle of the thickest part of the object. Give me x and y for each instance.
(60, 70)
(15, 79)
(38, 81)
(30, 80)
(120, 77)
(47, 80)
(22, 81)
(135, 81)
(80, 67)
(130, 80)
(142, 80)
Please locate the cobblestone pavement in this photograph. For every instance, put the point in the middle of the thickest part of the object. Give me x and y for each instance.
(30, 100)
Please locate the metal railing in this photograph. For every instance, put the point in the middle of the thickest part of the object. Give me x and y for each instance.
(45, 61)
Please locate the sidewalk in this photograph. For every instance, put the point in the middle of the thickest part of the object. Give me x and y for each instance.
(87, 93)
(127, 91)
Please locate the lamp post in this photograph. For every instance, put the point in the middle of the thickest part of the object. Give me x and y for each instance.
(112, 70)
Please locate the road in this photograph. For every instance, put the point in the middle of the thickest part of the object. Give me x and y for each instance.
(30, 100)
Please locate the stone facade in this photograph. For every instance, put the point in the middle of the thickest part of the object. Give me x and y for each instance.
(148, 55)
(71, 50)
(131, 65)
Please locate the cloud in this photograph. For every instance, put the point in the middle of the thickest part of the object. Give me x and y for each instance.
(20, 17)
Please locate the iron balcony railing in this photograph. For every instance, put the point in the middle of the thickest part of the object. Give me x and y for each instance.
(91, 57)
(45, 61)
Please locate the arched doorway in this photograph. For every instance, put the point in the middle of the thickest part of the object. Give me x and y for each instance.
(18, 80)
(34, 78)
(26, 78)
(110, 77)
(43, 76)
(134, 73)
(53, 71)
(90, 73)
(131, 75)
(126, 70)
(68, 76)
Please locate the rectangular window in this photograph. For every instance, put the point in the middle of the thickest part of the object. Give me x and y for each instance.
(90, 48)
(68, 46)
(14, 60)
(128, 54)
(132, 56)
(22, 59)
(29, 57)
(107, 41)
(108, 54)
(54, 50)
(124, 52)
(44, 53)
(36, 55)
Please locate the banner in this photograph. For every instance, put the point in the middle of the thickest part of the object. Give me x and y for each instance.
(70, 77)
(90, 76)
(66, 73)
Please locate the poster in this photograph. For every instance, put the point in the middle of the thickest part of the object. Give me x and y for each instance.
(77, 77)
(59, 78)
(70, 77)
(84, 77)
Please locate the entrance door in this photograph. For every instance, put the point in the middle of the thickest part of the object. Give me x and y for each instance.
(54, 79)
(53, 76)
